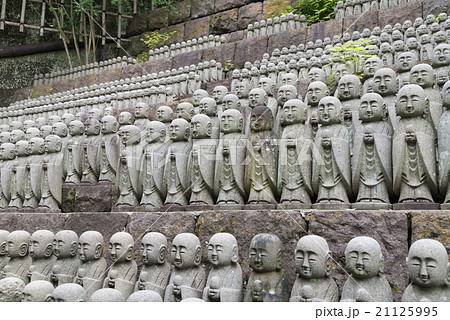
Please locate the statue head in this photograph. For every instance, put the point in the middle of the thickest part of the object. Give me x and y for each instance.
(3, 242)
(18, 243)
(37, 291)
(198, 95)
(153, 249)
(222, 250)
(243, 89)
(27, 124)
(11, 290)
(257, 97)
(230, 101)
(7, 151)
(41, 244)
(145, 296)
(125, 118)
(316, 74)
(17, 135)
(65, 244)
(94, 113)
(411, 102)
(90, 246)
(349, 87)
(141, 110)
(446, 95)
(428, 264)
(219, 93)
(372, 108)
(316, 91)
(179, 130)
(121, 247)
(385, 82)
(92, 127)
(109, 124)
(76, 128)
(266, 253)
(312, 258)
(107, 295)
(22, 149)
(186, 251)
(130, 135)
(208, 106)
(201, 126)
(330, 111)
(81, 116)
(40, 122)
(67, 118)
(36, 146)
(67, 292)
(231, 120)
(364, 258)
(405, 61)
(60, 129)
(156, 132)
(186, 111)
(4, 137)
(52, 143)
(16, 125)
(33, 133)
(285, 93)
(293, 111)
(422, 75)
(289, 78)
(261, 119)
(164, 114)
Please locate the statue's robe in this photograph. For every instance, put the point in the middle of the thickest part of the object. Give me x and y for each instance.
(294, 165)
(126, 277)
(51, 182)
(40, 269)
(324, 289)
(5, 177)
(74, 160)
(176, 178)
(201, 165)
(377, 288)
(91, 161)
(151, 179)
(158, 278)
(444, 154)
(331, 178)
(3, 262)
(414, 167)
(68, 268)
(231, 283)
(130, 190)
(193, 283)
(261, 176)
(94, 275)
(372, 165)
(33, 178)
(275, 286)
(230, 169)
(435, 111)
(17, 187)
(17, 268)
(108, 157)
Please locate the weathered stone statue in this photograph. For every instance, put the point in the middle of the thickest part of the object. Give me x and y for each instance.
(107, 295)
(41, 252)
(315, 92)
(125, 118)
(33, 173)
(145, 296)
(109, 150)
(428, 269)
(414, 151)
(141, 115)
(208, 107)
(3, 249)
(17, 246)
(230, 165)
(365, 263)
(268, 86)
(123, 272)
(67, 292)
(261, 176)
(176, 177)
(386, 85)
(313, 266)
(91, 146)
(65, 248)
(349, 92)
(18, 175)
(92, 270)
(443, 148)
(37, 291)
(188, 277)
(156, 270)
(441, 60)
(224, 282)
(294, 163)
(331, 178)
(219, 93)
(372, 160)
(197, 96)
(165, 115)
(404, 63)
(186, 111)
(74, 160)
(11, 290)
(266, 261)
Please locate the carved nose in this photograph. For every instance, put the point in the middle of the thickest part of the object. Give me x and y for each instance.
(305, 263)
(423, 270)
(258, 257)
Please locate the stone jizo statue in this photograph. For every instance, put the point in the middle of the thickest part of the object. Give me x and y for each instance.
(37, 291)
(41, 252)
(67, 292)
(65, 248)
(17, 246)
(11, 290)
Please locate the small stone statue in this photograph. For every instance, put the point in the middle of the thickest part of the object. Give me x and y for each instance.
(107, 295)
(74, 159)
(17, 246)
(349, 92)
(92, 270)
(365, 263)
(266, 260)
(33, 173)
(414, 151)
(386, 85)
(428, 269)
(3, 249)
(224, 282)
(443, 148)
(67, 292)
(404, 64)
(125, 118)
(208, 107)
(441, 60)
(313, 266)
(109, 150)
(197, 96)
(188, 276)
(37, 291)
(123, 272)
(186, 111)
(11, 290)
(91, 144)
(332, 178)
(261, 176)
(219, 93)
(315, 92)
(165, 115)
(156, 270)
(65, 248)
(41, 252)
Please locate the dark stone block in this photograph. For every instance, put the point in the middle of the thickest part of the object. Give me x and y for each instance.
(21, 94)
(435, 7)
(138, 25)
(222, 53)
(133, 70)
(224, 22)
(197, 28)
(286, 39)
(367, 19)
(89, 198)
(157, 19)
(8, 221)
(180, 12)
(6, 96)
(83, 81)
(289, 226)
(110, 75)
(431, 225)
(249, 50)
(390, 229)
(235, 36)
(178, 36)
(324, 29)
(201, 8)
(248, 14)
(32, 222)
(40, 91)
(157, 65)
(221, 5)
(400, 14)
(186, 59)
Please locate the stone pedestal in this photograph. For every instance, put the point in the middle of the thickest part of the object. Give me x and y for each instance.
(89, 198)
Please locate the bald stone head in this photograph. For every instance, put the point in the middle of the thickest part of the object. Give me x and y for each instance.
(289, 78)
(222, 250)
(261, 119)
(3, 242)
(372, 108)
(109, 124)
(121, 247)
(141, 110)
(7, 151)
(130, 135)
(41, 122)
(76, 128)
(330, 111)
(293, 111)
(60, 129)
(153, 249)
(267, 85)
(92, 127)
(208, 106)
(186, 111)
(385, 82)
(65, 244)
(164, 114)
(67, 292)
(317, 74)
(179, 130)
(17, 244)
(32, 133)
(349, 87)
(405, 61)
(17, 135)
(201, 126)
(90, 246)
(316, 91)
(285, 93)
(231, 120)
(372, 65)
(11, 290)
(94, 113)
(41, 244)
(411, 101)
(219, 93)
(243, 89)
(67, 118)
(266, 253)
(198, 95)
(312, 257)
(363, 257)
(257, 97)
(125, 118)
(441, 55)
(53, 119)
(145, 296)
(186, 251)
(155, 132)
(16, 125)
(22, 148)
(37, 291)
(422, 75)
(53, 143)
(4, 137)
(36, 146)
(27, 124)
(230, 101)
(107, 295)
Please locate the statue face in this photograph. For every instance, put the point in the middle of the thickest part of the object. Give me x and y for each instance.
(88, 248)
(261, 119)
(198, 96)
(406, 61)
(4, 137)
(257, 97)
(230, 102)
(129, 135)
(62, 246)
(311, 257)
(427, 263)
(286, 93)
(316, 74)
(264, 255)
(76, 128)
(220, 250)
(363, 257)
(16, 135)
(109, 125)
(92, 127)
(446, 95)
(341, 71)
(125, 118)
(22, 148)
(94, 114)
(385, 82)
(41, 244)
(27, 124)
(200, 127)
(153, 249)
(141, 110)
(316, 91)
(422, 75)
(329, 111)
(154, 132)
(411, 101)
(179, 131)
(218, 94)
(371, 108)
(14, 244)
(231, 122)
(185, 111)
(164, 114)
(349, 88)
(67, 118)
(7, 151)
(441, 55)
(185, 251)
(208, 106)
(242, 90)
(289, 78)
(36, 146)
(293, 112)
(32, 133)
(120, 247)
(59, 129)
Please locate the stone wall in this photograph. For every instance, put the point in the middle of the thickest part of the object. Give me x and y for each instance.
(394, 230)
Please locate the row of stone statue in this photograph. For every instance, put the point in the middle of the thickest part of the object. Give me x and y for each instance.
(276, 25)
(353, 7)
(201, 43)
(83, 70)
(63, 267)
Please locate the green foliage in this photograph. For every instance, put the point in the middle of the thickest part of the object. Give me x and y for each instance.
(229, 66)
(276, 8)
(315, 10)
(152, 41)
